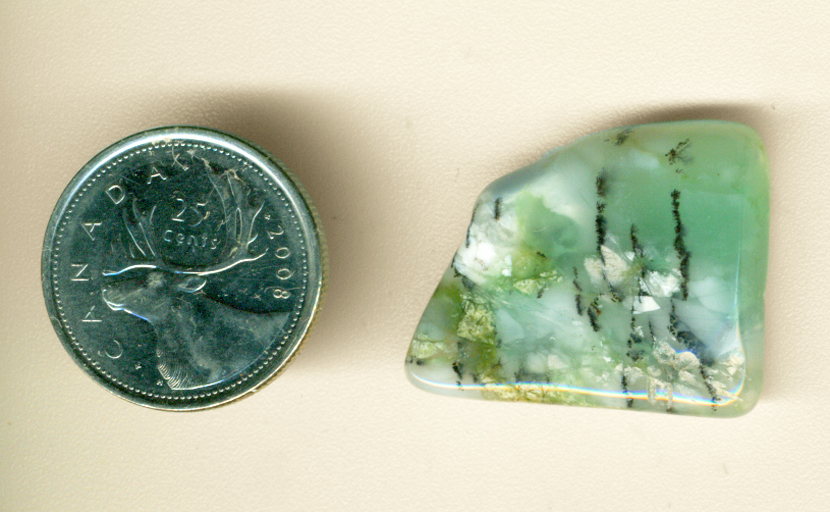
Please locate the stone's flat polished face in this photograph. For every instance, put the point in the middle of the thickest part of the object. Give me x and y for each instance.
(626, 270)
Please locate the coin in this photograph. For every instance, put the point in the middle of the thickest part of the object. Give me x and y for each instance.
(183, 268)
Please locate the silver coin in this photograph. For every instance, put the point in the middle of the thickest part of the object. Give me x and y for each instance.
(183, 268)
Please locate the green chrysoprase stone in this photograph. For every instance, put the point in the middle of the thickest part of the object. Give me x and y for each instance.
(625, 270)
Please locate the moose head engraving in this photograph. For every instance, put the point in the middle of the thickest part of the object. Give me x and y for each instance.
(199, 341)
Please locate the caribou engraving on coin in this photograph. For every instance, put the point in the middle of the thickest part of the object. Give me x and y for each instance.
(182, 268)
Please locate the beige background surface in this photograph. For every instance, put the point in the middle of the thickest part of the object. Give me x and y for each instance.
(395, 115)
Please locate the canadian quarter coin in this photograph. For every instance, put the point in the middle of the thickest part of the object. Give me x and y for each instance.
(183, 268)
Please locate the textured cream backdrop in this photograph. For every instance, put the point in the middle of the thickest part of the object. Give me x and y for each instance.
(395, 115)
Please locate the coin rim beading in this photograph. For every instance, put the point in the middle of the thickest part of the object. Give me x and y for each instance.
(161, 141)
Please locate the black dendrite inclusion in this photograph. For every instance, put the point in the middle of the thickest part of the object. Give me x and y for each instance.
(600, 221)
(679, 245)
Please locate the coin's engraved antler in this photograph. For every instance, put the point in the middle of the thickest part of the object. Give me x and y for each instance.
(138, 224)
(239, 221)
(240, 216)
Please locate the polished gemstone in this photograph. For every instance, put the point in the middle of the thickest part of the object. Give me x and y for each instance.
(625, 270)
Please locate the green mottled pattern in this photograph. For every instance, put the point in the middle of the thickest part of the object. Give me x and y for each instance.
(624, 270)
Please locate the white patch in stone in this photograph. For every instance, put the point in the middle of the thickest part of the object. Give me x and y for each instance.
(712, 294)
(668, 356)
(735, 362)
(558, 362)
(663, 285)
(664, 353)
(615, 266)
(720, 387)
(485, 253)
(686, 360)
(632, 372)
(645, 160)
(644, 304)
(558, 190)
(535, 363)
